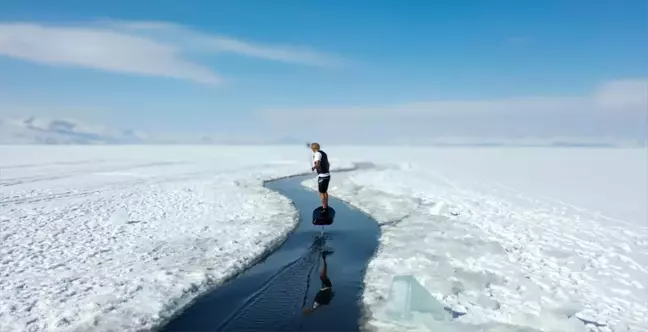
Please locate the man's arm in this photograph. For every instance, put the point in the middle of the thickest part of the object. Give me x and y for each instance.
(318, 157)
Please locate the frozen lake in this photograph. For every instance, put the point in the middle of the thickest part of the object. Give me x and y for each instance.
(104, 237)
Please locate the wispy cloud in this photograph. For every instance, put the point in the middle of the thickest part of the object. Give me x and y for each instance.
(613, 96)
(98, 48)
(617, 108)
(623, 96)
(145, 48)
(203, 42)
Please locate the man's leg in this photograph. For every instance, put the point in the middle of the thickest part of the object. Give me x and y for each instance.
(323, 190)
(323, 272)
(324, 197)
(326, 282)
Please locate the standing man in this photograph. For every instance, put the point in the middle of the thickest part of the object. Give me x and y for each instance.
(321, 165)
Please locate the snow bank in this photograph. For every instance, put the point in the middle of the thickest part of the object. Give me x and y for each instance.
(507, 257)
(118, 238)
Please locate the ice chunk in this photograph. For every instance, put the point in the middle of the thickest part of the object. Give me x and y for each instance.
(407, 297)
(119, 217)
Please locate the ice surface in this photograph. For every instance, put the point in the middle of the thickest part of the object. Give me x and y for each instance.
(118, 238)
(514, 239)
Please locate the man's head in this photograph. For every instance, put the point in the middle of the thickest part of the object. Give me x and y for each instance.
(315, 147)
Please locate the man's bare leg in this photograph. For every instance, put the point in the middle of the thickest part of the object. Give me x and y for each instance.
(323, 272)
(324, 197)
(323, 277)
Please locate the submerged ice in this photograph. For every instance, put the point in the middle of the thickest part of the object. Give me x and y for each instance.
(409, 302)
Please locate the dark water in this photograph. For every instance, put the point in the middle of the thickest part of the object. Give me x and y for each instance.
(270, 295)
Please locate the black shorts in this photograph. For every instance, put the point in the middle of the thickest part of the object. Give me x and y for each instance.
(323, 183)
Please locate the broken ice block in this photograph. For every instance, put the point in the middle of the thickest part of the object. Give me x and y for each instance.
(407, 297)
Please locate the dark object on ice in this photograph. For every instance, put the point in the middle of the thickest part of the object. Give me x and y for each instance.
(323, 218)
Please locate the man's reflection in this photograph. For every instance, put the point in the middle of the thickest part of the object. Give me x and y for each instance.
(325, 294)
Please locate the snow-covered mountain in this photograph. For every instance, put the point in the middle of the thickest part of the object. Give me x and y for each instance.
(38, 130)
(33, 130)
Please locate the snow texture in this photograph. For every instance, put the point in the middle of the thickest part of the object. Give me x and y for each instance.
(507, 239)
(120, 238)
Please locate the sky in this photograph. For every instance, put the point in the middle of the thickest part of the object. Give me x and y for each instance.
(333, 71)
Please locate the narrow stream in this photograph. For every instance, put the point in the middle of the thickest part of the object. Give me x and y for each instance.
(270, 295)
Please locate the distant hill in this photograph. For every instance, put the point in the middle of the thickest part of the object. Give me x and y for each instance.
(33, 130)
(39, 130)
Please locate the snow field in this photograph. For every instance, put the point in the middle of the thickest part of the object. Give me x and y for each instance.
(119, 238)
(508, 259)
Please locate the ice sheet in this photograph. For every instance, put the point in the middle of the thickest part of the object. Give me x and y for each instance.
(118, 238)
(508, 256)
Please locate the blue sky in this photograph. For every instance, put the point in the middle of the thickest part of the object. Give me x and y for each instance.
(373, 70)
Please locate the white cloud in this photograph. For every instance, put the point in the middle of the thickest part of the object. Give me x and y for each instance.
(145, 48)
(98, 49)
(617, 109)
(432, 109)
(196, 40)
(624, 96)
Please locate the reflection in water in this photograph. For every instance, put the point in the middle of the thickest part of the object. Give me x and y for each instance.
(272, 294)
(325, 293)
